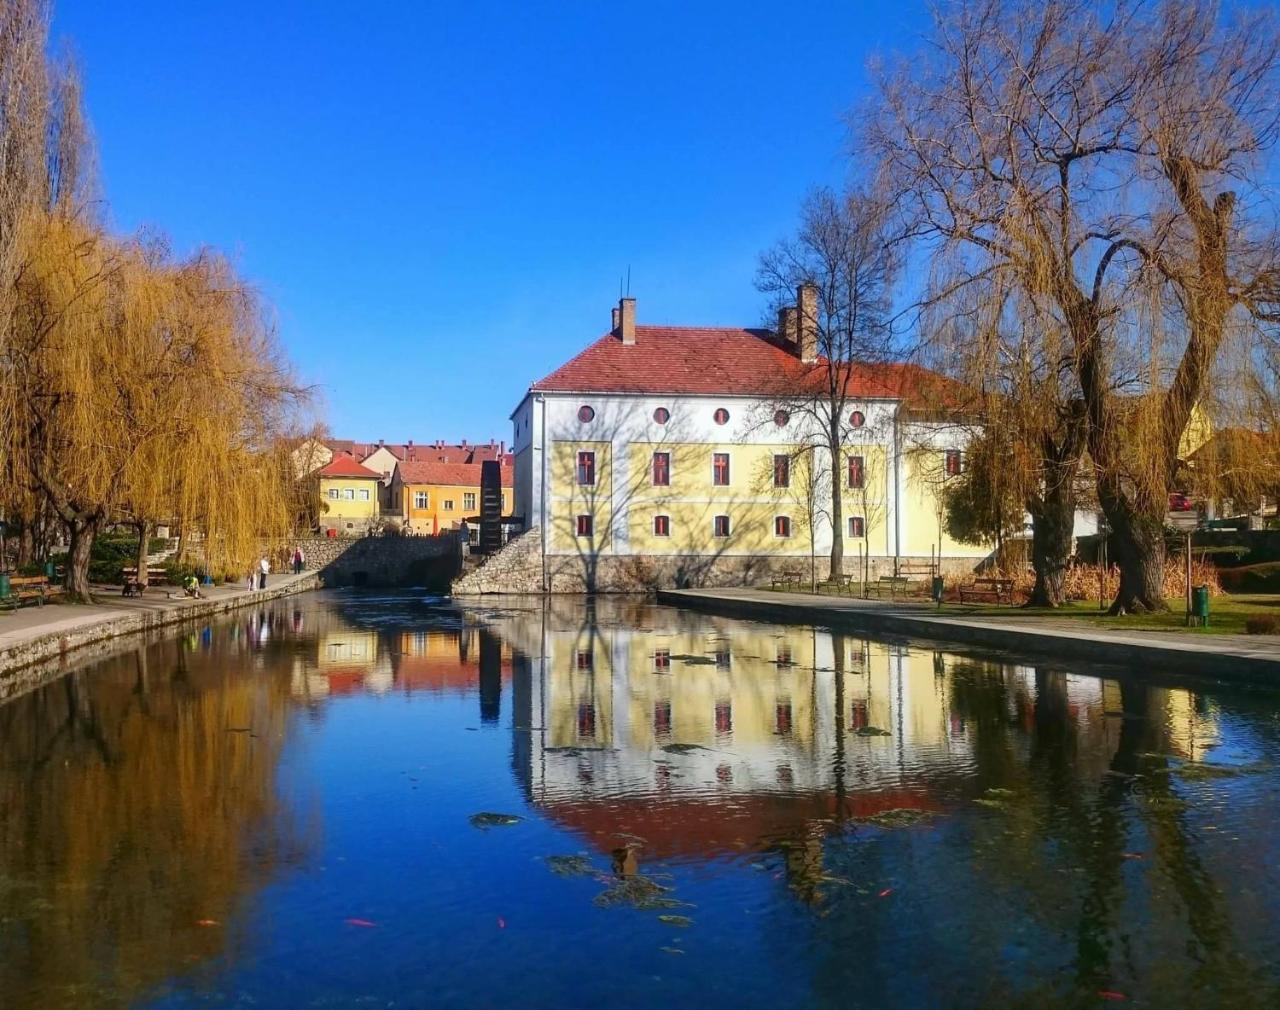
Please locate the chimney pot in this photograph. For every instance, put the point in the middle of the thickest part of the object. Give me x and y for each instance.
(807, 310)
(627, 320)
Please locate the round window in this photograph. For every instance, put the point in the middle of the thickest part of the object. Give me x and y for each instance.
(721, 415)
(857, 419)
(585, 414)
(780, 418)
(662, 415)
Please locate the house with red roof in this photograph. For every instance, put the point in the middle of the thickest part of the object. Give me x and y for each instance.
(434, 495)
(349, 504)
(667, 455)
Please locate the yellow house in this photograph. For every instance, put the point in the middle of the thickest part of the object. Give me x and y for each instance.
(348, 496)
(435, 496)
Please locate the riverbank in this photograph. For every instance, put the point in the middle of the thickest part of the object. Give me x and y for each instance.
(1226, 657)
(35, 635)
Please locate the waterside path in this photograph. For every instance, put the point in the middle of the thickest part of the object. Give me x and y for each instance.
(1227, 657)
(33, 636)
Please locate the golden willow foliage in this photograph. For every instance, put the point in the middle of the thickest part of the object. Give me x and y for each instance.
(145, 389)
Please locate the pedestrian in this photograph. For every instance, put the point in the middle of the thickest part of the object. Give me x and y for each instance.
(299, 559)
(253, 579)
(264, 566)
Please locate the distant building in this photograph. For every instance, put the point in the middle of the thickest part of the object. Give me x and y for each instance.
(349, 501)
(433, 496)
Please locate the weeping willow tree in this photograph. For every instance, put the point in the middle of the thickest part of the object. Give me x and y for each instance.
(1110, 161)
(145, 388)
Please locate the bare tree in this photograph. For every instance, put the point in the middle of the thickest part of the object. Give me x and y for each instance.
(841, 264)
(1074, 152)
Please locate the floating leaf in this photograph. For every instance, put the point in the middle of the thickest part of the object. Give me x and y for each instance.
(682, 921)
(490, 820)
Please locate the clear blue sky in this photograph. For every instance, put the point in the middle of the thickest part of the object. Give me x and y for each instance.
(439, 198)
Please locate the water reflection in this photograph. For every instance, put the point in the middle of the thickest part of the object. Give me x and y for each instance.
(825, 820)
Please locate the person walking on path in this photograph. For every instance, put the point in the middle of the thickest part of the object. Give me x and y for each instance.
(299, 559)
(253, 578)
(264, 566)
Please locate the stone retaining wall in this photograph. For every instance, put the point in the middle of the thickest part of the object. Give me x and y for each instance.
(517, 568)
(382, 561)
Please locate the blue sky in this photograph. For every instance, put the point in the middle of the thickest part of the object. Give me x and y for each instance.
(439, 199)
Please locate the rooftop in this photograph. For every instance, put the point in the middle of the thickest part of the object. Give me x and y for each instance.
(449, 474)
(347, 466)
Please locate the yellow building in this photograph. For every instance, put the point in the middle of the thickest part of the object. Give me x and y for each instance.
(348, 497)
(434, 496)
(696, 455)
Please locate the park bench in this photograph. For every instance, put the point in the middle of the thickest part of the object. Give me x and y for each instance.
(894, 583)
(24, 588)
(131, 584)
(844, 583)
(784, 579)
(995, 589)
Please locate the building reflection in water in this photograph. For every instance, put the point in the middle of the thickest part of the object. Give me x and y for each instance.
(706, 737)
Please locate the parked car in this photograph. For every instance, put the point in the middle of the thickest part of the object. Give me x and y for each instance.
(1179, 502)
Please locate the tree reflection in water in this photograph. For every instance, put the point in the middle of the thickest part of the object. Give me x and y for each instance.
(137, 820)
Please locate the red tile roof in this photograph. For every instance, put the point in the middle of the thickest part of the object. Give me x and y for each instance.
(717, 360)
(347, 466)
(452, 474)
(441, 451)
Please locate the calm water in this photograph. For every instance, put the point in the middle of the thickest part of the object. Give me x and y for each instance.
(279, 811)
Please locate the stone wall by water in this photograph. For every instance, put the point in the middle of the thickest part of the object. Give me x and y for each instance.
(518, 568)
(383, 561)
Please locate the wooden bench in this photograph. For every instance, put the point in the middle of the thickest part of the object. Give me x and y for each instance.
(131, 584)
(24, 588)
(784, 579)
(894, 583)
(844, 583)
(995, 589)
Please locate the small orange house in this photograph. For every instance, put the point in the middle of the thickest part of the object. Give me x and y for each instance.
(436, 496)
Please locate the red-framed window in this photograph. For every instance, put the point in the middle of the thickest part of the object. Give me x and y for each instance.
(720, 469)
(782, 526)
(586, 721)
(724, 716)
(857, 472)
(661, 469)
(721, 416)
(661, 660)
(782, 717)
(784, 656)
(857, 419)
(781, 471)
(584, 525)
(858, 716)
(586, 469)
(661, 415)
(662, 526)
(857, 526)
(953, 462)
(662, 718)
(584, 659)
(720, 526)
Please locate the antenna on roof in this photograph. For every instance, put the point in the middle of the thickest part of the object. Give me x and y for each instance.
(628, 280)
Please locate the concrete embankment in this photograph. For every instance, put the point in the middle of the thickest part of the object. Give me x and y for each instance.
(33, 638)
(1226, 657)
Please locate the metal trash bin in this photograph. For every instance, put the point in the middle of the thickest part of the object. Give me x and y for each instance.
(5, 587)
(50, 571)
(1200, 604)
(936, 589)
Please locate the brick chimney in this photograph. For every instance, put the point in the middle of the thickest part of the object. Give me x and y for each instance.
(807, 310)
(627, 320)
(616, 313)
(787, 324)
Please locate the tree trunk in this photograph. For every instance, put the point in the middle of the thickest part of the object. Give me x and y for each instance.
(144, 535)
(1052, 526)
(83, 532)
(26, 545)
(837, 515)
(1139, 549)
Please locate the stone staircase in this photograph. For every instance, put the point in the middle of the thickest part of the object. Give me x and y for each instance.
(516, 568)
(162, 557)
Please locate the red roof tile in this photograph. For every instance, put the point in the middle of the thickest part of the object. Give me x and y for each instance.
(452, 474)
(715, 360)
(346, 466)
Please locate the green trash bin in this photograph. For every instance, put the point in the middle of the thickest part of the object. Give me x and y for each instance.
(1200, 604)
(936, 590)
(50, 571)
(5, 588)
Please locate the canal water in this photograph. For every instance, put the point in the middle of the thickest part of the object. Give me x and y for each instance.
(388, 801)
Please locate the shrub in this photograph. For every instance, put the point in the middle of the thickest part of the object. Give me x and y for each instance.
(1262, 624)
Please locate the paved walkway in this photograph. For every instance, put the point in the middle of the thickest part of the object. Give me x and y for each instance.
(33, 633)
(1235, 657)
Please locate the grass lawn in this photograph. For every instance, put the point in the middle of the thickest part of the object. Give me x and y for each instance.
(1227, 614)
